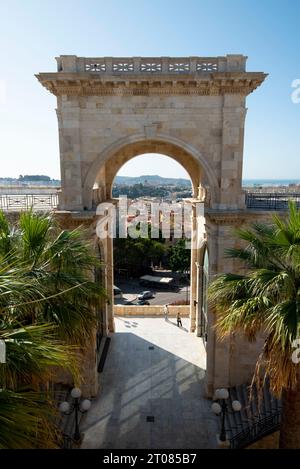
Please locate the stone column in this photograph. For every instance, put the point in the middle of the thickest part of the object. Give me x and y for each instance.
(220, 237)
(231, 194)
(70, 155)
(201, 243)
(198, 299)
(218, 352)
(110, 281)
(193, 273)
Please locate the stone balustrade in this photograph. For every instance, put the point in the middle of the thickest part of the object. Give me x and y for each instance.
(41, 201)
(151, 65)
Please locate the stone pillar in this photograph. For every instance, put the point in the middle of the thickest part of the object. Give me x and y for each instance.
(110, 281)
(70, 156)
(193, 273)
(218, 352)
(231, 194)
(198, 299)
(201, 243)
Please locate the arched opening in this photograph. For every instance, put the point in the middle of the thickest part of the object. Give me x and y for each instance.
(98, 180)
(99, 185)
(159, 259)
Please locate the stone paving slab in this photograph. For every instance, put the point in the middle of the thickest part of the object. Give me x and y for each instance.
(166, 383)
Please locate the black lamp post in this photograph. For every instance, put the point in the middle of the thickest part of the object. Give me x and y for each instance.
(77, 406)
(220, 407)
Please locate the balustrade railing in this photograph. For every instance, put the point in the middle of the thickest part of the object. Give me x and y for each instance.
(149, 65)
(264, 426)
(18, 202)
(271, 201)
(259, 201)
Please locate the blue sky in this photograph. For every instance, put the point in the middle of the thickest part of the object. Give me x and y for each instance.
(33, 32)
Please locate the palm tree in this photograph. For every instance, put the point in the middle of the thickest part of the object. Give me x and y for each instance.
(26, 421)
(60, 263)
(27, 415)
(267, 298)
(31, 353)
(47, 296)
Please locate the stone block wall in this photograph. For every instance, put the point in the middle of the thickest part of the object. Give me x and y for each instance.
(151, 310)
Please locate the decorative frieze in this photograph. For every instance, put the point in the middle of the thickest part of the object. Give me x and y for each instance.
(216, 84)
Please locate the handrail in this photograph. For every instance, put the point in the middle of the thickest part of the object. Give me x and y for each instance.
(262, 427)
(270, 200)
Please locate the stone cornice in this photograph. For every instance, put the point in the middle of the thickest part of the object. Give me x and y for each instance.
(209, 84)
(235, 217)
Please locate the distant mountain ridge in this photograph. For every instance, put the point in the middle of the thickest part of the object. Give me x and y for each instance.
(152, 180)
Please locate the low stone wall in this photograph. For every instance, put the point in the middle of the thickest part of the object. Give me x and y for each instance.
(151, 310)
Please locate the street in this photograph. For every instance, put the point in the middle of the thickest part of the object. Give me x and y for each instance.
(131, 288)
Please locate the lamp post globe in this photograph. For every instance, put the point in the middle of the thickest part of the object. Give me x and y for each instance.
(85, 405)
(64, 407)
(216, 408)
(76, 393)
(236, 405)
(221, 393)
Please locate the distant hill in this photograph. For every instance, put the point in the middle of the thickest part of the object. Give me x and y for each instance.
(153, 180)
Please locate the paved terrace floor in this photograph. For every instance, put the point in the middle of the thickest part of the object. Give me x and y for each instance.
(165, 382)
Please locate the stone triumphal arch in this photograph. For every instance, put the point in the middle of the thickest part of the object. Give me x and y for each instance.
(189, 108)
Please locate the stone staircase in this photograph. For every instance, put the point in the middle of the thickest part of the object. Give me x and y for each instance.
(260, 416)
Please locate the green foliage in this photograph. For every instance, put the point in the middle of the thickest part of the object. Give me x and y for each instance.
(57, 267)
(136, 255)
(180, 257)
(31, 351)
(139, 190)
(151, 190)
(47, 299)
(34, 177)
(26, 421)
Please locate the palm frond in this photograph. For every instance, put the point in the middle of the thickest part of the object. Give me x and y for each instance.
(26, 421)
(31, 352)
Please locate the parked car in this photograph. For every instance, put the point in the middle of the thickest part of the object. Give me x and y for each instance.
(145, 295)
(143, 302)
(127, 302)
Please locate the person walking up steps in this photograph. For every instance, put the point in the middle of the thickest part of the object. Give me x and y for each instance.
(179, 323)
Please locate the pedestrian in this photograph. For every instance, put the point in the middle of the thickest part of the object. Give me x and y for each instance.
(166, 312)
(179, 323)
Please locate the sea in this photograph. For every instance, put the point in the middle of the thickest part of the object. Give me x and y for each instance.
(269, 182)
